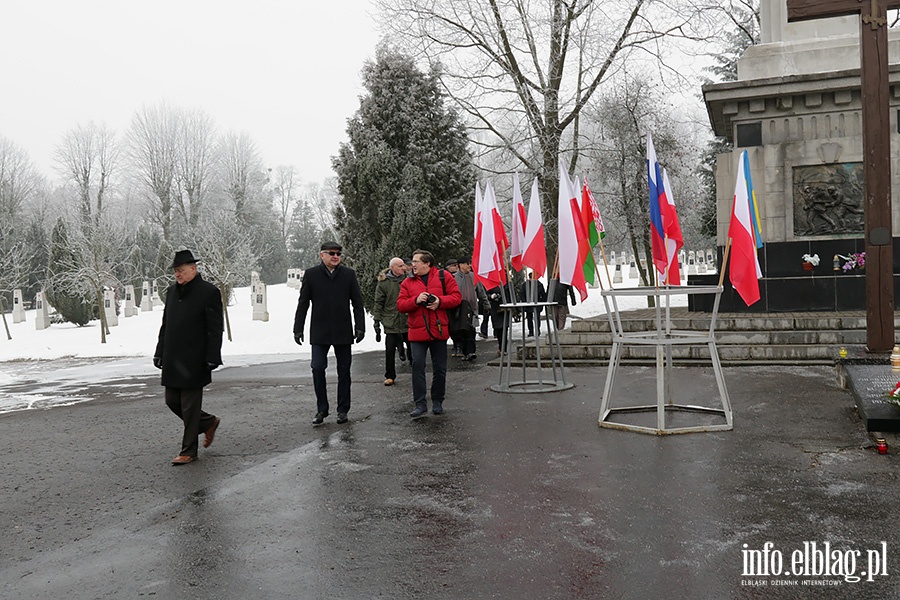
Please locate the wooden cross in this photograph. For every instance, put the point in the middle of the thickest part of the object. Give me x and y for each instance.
(876, 153)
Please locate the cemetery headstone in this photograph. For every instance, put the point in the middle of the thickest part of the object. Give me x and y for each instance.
(146, 303)
(42, 316)
(109, 307)
(260, 303)
(155, 300)
(18, 312)
(617, 276)
(130, 308)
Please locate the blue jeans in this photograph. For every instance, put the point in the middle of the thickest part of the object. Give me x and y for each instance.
(319, 363)
(438, 349)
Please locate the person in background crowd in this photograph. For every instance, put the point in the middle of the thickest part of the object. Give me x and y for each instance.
(385, 314)
(452, 267)
(468, 309)
(188, 350)
(562, 309)
(331, 288)
(425, 298)
(535, 284)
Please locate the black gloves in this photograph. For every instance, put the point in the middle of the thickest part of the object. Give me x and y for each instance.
(157, 362)
(377, 331)
(298, 337)
(360, 334)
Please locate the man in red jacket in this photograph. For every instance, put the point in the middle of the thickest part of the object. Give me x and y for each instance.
(425, 298)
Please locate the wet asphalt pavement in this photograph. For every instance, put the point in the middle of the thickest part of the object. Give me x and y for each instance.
(504, 496)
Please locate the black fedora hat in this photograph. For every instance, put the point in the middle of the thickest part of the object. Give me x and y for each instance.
(183, 257)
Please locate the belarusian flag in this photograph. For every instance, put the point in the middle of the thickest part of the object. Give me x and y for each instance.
(593, 225)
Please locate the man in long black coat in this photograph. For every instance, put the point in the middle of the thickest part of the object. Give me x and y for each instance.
(331, 288)
(189, 348)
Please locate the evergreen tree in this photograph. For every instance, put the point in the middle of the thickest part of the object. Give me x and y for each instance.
(406, 176)
(72, 306)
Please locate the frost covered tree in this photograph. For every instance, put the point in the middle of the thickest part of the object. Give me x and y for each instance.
(405, 176)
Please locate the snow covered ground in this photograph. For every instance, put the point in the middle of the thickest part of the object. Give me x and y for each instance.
(65, 355)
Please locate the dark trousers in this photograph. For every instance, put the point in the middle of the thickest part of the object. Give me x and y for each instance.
(485, 319)
(393, 342)
(438, 349)
(532, 315)
(319, 363)
(187, 404)
(466, 341)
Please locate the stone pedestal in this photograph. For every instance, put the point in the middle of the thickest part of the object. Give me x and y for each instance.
(130, 308)
(18, 311)
(146, 303)
(155, 300)
(260, 304)
(617, 276)
(42, 312)
(109, 307)
(691, 263)
(254, 283)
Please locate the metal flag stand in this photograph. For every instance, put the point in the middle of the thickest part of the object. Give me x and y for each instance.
(664, 338)
(543, 383)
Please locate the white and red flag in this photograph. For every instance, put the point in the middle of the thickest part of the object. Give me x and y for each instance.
(535, 254)
(672, 230)
(517, 243)
(573, 241)
(492, 242)
(744, 271)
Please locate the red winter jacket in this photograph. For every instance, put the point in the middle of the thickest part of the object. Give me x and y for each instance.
(425, 324)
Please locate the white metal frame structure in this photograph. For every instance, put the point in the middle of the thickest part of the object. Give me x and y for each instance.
(542, 383)
(664, 338)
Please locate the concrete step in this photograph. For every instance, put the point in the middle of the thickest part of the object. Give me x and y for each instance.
(743, 337)
(784, 353)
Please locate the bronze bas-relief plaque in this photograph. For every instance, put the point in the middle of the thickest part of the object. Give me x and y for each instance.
(828, 199)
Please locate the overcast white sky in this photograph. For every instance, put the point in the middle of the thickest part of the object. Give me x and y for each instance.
(285, 71)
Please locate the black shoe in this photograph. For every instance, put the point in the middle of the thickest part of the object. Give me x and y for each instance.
(420, 411)
(342, 418)
(437, 408)
(319, 418)
(470, 357)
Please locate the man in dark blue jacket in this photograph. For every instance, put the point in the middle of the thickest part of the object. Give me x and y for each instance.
(189, 348)
(331, 288)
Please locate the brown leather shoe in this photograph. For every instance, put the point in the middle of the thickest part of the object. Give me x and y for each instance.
(388, 382)
(181, 459)
(211, 433)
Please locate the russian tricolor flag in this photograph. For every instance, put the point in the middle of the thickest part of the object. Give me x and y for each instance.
(664, 228)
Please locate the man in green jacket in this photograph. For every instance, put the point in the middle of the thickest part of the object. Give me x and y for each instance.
(385, 314)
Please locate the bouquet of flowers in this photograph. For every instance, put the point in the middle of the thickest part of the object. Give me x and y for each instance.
(857, 259)
(894, 395)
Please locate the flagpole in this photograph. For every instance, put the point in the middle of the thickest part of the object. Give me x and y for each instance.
(724, 262)
(605, 264)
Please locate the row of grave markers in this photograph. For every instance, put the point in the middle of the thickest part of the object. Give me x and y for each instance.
(690, 263)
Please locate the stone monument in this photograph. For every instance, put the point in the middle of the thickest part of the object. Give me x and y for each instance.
(109, 307)
(146, 303)
(18, 310)
(796, 109)
(42, 312)
(155, 300)
(130, 308)
(260, 303)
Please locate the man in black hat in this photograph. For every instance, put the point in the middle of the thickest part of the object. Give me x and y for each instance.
(189, 348)
(331, 288)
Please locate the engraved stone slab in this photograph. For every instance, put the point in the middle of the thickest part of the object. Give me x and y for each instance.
(869, 383)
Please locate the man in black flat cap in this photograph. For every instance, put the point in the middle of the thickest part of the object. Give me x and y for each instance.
(331, 288)
(189, 348)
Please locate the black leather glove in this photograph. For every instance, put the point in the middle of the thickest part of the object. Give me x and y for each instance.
(298, 337)
(360, 334)
(211, 366)
(377, 331)
(157, 362)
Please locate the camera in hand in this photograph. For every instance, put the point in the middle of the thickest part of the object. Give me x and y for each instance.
(429, 300)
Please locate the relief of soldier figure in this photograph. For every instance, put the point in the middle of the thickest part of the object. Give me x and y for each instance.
(828, 199)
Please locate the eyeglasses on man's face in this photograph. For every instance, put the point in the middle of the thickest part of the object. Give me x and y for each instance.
(333, 252)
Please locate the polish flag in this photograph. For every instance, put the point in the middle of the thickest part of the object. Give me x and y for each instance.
(517, 246)
(744, 272)
(573, 242)
(490, 258)
(535, 255)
